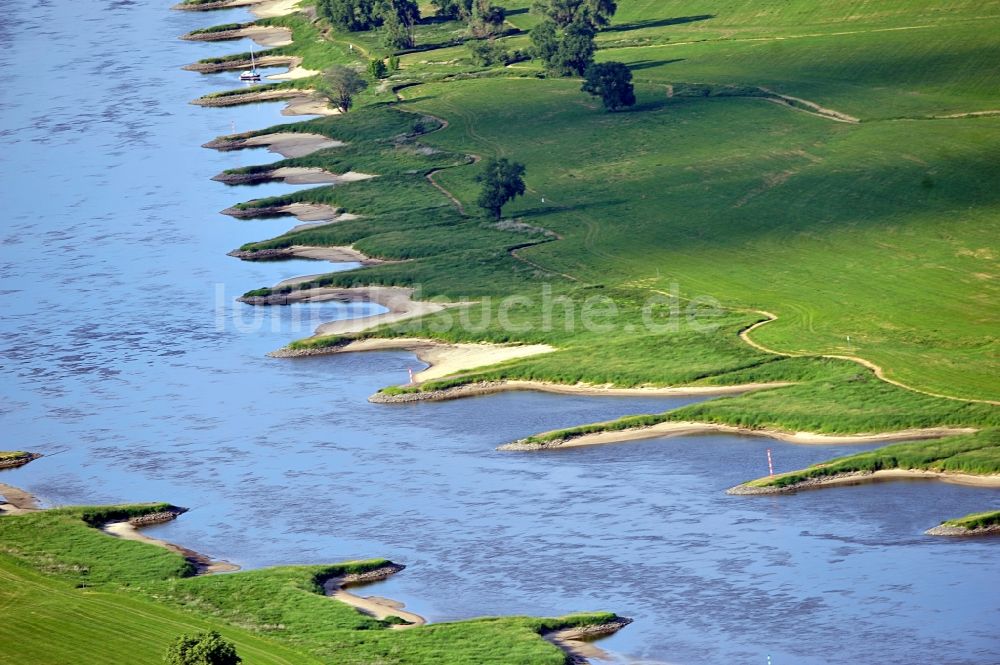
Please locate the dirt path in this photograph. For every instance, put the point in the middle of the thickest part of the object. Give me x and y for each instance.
(878, 370)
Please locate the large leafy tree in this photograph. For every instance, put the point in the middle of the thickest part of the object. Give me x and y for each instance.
(563, 12)
(202, 649)
(567, 52)
(340, 84)
(502, 181)
(355, 15)
(486, 19)
(612, 82)
(349, 15)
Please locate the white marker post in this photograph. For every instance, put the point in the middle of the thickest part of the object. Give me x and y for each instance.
(770, 468)
(411, 376)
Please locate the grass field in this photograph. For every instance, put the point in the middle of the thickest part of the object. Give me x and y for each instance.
(84, 596)
(873, 238)
(714, 188)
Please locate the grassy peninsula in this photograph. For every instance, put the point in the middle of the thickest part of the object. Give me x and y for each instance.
(768, 165)
(84, 594)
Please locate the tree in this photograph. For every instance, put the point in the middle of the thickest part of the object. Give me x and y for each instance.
(612, 82)
(452, 9)
(202, 649)
(486, 19)
(350, 15)
(340, 84)
(597, 13)
(377, 68)
(502, 180)
(576, 49)
(545, 42)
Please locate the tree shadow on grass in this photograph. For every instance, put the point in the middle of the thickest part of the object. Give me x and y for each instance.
(658, 23)
(550, 207)
(650, 64)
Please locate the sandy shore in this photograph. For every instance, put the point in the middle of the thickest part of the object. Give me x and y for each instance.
(264, 35)
(235, 65)
(345, 254)
(292, 175)
(203, 564)
(293, 73)
(962, 532)
(300, 175)
(397, 299)
(292, 144)
(446, 359)
(577, 642)
(259, 8)
(492, 387)
(16, 501)
(374, 606)
(862, 477)
(681, 428)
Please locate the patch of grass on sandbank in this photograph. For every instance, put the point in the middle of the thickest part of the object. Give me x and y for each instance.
(975, 520)
(974, 454)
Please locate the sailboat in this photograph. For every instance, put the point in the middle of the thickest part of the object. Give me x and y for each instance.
(251, 75)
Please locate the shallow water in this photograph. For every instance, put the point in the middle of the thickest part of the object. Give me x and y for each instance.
(125, 360)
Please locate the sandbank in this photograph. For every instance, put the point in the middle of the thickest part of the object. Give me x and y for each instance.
(17, 501)
(861, 477)
(203, 564)
(375, 606)
(289, 144)
(446, 359)
(680, 428)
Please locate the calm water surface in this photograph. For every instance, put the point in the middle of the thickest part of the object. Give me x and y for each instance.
(125, 360)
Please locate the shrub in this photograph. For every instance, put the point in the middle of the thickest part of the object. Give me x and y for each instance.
(202, 649)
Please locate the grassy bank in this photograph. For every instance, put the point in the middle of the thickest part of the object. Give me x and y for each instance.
(974, 454)
(77, 586)
(975, 521)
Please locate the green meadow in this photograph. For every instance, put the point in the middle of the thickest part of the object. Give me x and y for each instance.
(856, 211)
(83, 595)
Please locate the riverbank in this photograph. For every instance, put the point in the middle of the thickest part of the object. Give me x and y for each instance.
(292, 175)
(259, 8)
(16, 458)
(397, 299)
(332, 254)
(681, 428)
(976, 524)
(286, 144)
(577, 641)
(16, 501)
(301, 101)
(263, 35)
(375, 606)
(444, 359)
(861, 477)
(130, 530)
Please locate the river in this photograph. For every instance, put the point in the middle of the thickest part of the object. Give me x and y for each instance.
(125, 360)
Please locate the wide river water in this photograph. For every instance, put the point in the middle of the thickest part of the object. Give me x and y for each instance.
(126, 361)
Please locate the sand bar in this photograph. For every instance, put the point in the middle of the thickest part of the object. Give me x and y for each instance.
(375, 606)
(291, 144)
(862, 477)
(296, 72)
(300, 175)
(447, 359)
(668, 429)
(17, 501)
(203, 564)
